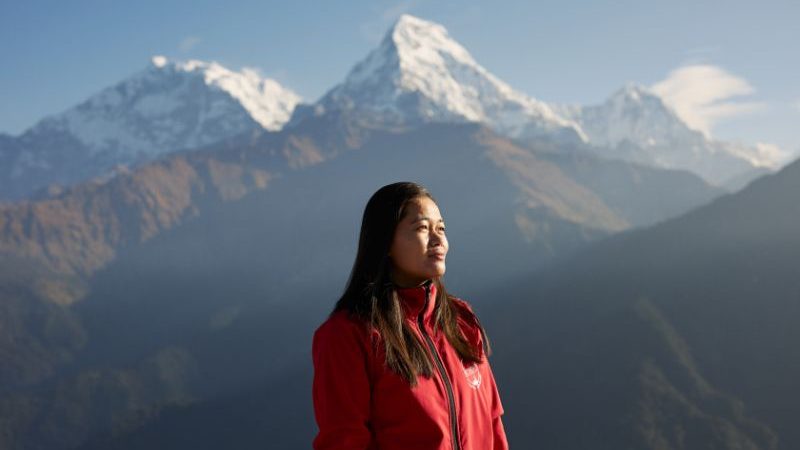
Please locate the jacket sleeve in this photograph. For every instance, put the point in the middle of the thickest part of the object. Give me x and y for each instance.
(341, 389)
(498, 431)
(500, 441)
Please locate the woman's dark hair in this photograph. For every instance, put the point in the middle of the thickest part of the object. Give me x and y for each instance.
(370, 294)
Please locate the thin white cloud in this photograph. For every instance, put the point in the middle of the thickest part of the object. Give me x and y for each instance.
(702, 94)
(796, 105)
(771, 155)
(762, 154)
(188, 43)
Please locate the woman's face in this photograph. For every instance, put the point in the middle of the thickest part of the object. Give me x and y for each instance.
(419, 246)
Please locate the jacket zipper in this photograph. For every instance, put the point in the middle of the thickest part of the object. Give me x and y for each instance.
(440, 366)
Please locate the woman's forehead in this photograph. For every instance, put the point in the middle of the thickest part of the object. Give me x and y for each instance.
(421, 209)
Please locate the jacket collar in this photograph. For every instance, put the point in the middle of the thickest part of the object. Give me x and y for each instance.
(413, 300)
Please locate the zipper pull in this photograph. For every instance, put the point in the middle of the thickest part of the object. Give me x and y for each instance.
(427, 300)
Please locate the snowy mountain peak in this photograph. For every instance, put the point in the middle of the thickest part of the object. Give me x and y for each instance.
(633, 92)
(167, 106)
(158, 60)
(635, 124)
(632, 113)
(173, 105)
(634, 97)
(267, 102)
(419, 73)
(419, 40)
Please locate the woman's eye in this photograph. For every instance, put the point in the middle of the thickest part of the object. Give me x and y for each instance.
(425, 227)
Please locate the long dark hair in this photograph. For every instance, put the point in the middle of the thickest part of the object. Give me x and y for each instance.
(371, 297)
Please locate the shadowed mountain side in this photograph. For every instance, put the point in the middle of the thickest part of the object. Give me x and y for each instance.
(276, 414)
(741, 181)
(37, 335)
(194, 312)
(301, 235)
(682, 335)
(83, 228)
(216, 360)
(190, 313)
(616, 373)
(639, 194)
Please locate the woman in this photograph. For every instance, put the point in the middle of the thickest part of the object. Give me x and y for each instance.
(400, 363)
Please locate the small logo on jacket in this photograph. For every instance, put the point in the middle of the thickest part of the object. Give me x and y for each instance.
(473, 375)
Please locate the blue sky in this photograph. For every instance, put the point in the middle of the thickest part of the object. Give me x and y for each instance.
(736, 61)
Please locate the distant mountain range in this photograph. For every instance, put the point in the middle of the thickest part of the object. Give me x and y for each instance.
(557, 200)
(79, 228)
(636, 125)
(418, 74)
(129, 285)
(680, 335)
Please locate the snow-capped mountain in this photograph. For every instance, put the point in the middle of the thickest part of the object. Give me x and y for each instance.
(420, 74)
(166, 107)
(635, 124)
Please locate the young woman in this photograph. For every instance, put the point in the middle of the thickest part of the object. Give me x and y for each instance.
(400, 363)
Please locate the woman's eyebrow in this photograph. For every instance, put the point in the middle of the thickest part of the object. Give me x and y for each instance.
(424, 218)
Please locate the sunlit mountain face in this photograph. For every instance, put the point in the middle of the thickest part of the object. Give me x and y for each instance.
(169, 106)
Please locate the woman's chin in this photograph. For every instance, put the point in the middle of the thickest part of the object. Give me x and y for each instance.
(438, 270)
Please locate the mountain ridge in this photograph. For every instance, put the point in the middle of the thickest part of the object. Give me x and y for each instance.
(419, 74)
(167, 107)
(635, 124)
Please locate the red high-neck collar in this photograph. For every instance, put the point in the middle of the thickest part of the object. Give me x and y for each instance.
(413, 300)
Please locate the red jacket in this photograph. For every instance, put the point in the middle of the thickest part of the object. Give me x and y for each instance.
(359, 403)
